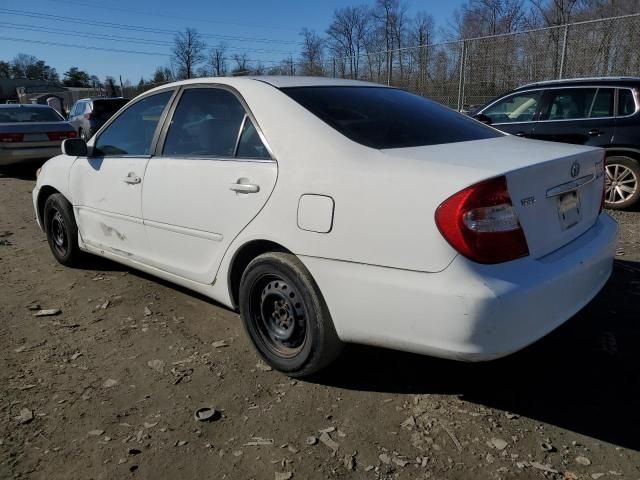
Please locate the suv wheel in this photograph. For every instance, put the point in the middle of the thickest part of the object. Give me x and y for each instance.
(623, 182)
(285, 315)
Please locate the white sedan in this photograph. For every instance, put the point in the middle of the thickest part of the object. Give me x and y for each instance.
(332, 211)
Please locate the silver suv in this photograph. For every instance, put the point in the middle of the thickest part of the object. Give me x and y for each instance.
(89, 114)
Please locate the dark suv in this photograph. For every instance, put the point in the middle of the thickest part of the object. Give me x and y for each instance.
(602, 112)
(89, 114)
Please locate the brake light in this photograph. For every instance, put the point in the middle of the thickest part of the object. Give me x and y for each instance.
(11, 137)
(481, 223)
(89, 116)
(61, 135)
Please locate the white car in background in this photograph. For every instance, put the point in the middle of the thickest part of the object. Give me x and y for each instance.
(331, 211)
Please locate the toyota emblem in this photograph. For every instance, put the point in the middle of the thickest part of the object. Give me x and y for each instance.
(575, 169)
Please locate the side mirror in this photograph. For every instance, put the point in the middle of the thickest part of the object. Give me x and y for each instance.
(75, 147)
(483, 118)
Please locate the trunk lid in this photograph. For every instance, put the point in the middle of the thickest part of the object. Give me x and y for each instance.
(541, 178)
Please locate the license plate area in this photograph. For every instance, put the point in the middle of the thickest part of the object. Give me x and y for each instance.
(569, 209)
(36, 137)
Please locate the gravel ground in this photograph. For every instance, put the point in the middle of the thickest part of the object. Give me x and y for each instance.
(107, 388)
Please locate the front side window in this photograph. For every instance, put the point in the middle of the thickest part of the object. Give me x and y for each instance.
(520, 107)
(626, 103)
(385, 118)
(569, 103)
(131, 133)
(206, 123)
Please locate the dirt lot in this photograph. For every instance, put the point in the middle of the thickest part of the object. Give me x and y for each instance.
(107, 389)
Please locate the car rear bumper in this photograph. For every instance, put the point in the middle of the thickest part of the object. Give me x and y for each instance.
(468, 311)
(13, 156)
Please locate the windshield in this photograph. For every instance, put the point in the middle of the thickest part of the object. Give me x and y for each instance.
(106, 108)
(21, 114)
(382, 118)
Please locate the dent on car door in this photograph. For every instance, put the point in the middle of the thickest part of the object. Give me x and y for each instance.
(514, 114)
(582, 116)
(107, 186)
(212, 178)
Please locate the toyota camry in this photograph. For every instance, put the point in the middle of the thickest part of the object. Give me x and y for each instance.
(333, 211)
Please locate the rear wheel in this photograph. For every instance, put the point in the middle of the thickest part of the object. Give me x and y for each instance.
(285, 315)
(623, 182)
(61, 229)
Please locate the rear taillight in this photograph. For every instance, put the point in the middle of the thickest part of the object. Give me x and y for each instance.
(481, 223)
(89, 116)
(61, 135)
(11, 137)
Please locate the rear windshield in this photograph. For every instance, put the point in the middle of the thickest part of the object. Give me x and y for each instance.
(106, 108)
(382, 118)
(28, 114)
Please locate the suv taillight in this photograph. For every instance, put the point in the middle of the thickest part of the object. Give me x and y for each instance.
(481, 223)
(89, 116)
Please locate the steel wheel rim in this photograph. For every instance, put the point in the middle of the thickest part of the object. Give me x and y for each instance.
(58, 231)
(622, 183)
(278, 316)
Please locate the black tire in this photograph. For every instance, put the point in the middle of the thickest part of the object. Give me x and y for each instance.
(84, 136)
(61, 229)
(285, 316)
(628, 178)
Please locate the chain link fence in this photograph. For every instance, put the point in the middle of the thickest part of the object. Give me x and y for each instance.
(470, 72)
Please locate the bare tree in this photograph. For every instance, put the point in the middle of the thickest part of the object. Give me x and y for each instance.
(242, 64)
(347, 36)
(188, 52)
(312, 53)
(218, 60)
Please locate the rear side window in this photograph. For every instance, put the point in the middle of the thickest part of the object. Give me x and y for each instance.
(382, 118)
(131, 133)
(570, 103)
(602, 105)
(206, 123)
(626, 104)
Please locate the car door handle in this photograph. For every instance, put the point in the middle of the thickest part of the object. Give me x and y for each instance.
(244, 187)
(520, 134)
(594, 132)
(132, 179)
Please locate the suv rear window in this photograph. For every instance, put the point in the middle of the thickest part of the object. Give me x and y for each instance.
(382, 118)
(104, 109)
(626, 104)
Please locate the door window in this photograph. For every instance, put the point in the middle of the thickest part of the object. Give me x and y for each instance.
(131, 133)
(520, 107)
(250, 145)
(570, 103)
(206, 123)
(602, 105)
(626, 104)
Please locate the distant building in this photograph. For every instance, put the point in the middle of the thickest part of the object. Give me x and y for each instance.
(22, 89)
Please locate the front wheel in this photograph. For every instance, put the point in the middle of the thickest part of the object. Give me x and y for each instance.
(622, 189)
(285, 315)
(61, 229)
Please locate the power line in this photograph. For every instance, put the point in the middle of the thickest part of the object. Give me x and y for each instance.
(87, 47)
(172, 17)
(139, 28)
(117, 50)
(116, 38)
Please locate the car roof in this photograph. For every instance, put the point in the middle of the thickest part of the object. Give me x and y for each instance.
(93, 99)
(275, 81)
(22, 105)
(568, 82)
